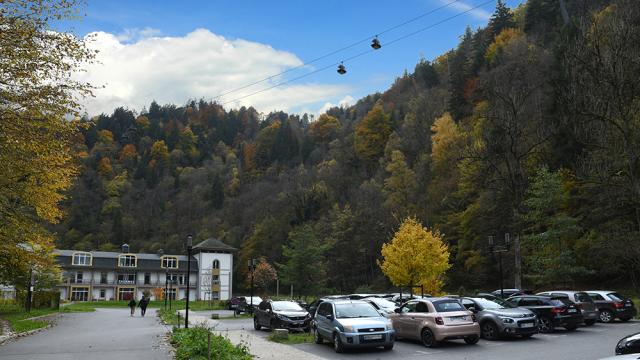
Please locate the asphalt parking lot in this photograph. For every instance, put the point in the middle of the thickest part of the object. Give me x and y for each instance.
(585, 343)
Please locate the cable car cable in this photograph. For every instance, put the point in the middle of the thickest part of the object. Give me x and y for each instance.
(361, 53)
(335, 51)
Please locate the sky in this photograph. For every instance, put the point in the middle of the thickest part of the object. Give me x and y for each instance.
(175, 51)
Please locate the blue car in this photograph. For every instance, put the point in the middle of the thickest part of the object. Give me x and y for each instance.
(352, 324)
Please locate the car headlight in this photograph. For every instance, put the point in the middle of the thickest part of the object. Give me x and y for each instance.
(506, 320)
(389, 325)
(348, 328)
(282, 317)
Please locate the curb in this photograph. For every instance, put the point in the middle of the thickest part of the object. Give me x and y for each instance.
(5, 338)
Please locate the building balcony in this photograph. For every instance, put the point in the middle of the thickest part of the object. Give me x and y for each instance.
(132, 283)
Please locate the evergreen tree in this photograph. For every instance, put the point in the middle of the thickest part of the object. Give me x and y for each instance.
(501, 19)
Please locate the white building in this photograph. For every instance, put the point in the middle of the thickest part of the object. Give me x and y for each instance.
(104, 275)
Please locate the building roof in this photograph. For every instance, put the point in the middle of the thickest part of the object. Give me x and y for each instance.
(213, 244)
(109, 260)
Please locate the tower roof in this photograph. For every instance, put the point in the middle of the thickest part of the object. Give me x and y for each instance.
(213, 244)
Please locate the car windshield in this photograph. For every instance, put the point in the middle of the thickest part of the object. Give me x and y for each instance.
(383, 303)
(355, 310)
(616, 297)
(285, 306)
(448, 306)
(486, 304)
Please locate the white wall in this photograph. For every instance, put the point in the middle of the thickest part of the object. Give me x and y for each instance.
(205, 263)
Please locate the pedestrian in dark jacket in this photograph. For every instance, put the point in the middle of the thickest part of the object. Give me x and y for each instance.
(143, 305)
(132, 305)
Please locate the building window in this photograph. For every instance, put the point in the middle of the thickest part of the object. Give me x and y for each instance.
(216, 264)
(126, 279)
(103, 278)
(170, 294)
(79, 294)
(215, 279)
(77, 277)
(176, 279)
(81, 259)
(103, 293)
(169, 262)
(126, 293)
(127, 260)
(147, 278)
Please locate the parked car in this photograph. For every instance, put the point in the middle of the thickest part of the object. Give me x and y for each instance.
(612, 305)
(351, 324)
(245, 303)
(497, 320)
(314, 305)
(234, 302)
(623, 357)
(629, 345)
(433, 320)
(583, 301)
(509, 293)
(402, 298)
(384, 306)
(281, 315)
(552, 313)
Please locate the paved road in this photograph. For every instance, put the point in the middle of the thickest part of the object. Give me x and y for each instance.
(105, 334)
(586, 343)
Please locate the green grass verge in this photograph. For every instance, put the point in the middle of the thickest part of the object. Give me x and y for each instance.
(294, 338)
(191, 344)
(20, 320)
(168, 317)
(175, 305)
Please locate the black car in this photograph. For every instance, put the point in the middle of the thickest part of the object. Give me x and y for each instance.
(551, 312)
(281, 315)
(613, 305)
(629, 345)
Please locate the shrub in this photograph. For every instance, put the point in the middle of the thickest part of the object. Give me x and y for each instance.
(191, 344)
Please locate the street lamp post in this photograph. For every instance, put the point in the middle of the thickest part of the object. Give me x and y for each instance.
(252, 267)
(189, 246)
(499, 249)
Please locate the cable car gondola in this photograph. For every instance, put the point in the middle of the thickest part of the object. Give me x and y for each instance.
(375, 43)
(341, 69)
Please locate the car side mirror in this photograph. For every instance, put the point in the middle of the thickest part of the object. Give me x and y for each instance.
(397, 310)
(472, 309)
(329, 317)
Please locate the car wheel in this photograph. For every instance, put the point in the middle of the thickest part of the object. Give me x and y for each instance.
(472, 340)
(625, 319)
(428, 339)
(571, 328)
(256, 324)
(490, 331)
(388, 347)
(337, 343)
(590, 322)
(546, 325)
(317, 337)
(606, 316)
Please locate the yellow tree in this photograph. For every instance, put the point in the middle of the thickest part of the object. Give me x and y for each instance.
(416, 256)
(37, 93)
(324, 129)
(372, 133)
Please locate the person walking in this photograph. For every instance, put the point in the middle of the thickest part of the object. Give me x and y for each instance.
(143, 305)
(132, 305)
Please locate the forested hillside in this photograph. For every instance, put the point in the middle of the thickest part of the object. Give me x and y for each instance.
(529, 126)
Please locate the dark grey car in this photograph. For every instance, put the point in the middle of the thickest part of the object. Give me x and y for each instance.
(583, 301)
(497, 320)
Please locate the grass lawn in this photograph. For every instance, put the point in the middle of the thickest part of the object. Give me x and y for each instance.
(191, 344)
(294, 338)
(175, 305)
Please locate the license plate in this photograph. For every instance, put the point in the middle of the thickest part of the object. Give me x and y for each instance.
(372, 337)
(526, 325)
(627, 305)
(573, 310)
(459, 318)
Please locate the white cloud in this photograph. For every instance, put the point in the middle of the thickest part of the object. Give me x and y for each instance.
(198, 65)
(478, 13)
(346, 101)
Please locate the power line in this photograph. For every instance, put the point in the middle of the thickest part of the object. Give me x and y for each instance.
(361, 53)
(347, 47)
